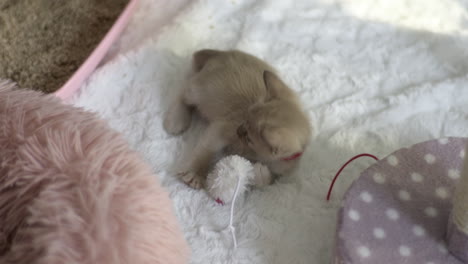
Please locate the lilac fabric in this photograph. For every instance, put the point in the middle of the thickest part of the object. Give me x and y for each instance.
(398, 210)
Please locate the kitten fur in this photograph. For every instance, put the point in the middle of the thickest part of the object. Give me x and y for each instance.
(250, 111)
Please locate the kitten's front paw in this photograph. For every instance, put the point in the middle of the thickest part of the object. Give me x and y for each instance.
(262, 175)
(192, 179)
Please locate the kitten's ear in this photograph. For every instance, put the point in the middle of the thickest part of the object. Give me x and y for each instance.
(273, 85)
(241, 131)
(202, 56)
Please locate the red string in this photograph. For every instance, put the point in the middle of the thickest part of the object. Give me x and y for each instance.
(293, 157)
(342, 168)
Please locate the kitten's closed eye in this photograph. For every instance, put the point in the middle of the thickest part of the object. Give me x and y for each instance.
(243, 134)
(274, 150)
(241, 131)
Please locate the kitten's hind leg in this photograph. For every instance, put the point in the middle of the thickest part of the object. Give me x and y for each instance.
(178, 117)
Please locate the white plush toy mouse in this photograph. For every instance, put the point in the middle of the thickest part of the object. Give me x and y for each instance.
(234, 172)
(231, 177)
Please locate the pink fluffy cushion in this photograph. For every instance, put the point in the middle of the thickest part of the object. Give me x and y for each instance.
(71, 190)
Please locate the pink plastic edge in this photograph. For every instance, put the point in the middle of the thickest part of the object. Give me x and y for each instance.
(83, 72)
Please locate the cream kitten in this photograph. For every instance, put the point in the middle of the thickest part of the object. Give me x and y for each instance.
(250, 112)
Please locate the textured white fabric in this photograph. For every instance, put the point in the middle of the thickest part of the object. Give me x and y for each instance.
(374, 76)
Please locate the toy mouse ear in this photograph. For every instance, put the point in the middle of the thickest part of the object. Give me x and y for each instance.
(202, 56)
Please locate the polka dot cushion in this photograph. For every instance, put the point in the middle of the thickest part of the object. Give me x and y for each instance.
(398, 210)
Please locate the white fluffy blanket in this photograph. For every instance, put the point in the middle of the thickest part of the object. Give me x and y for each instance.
(375, 76)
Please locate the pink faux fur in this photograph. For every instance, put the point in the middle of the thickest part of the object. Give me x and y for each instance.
(71, 190)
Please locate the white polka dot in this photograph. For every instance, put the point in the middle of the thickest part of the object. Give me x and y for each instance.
(462, 153)
(379, 178)
(366, 197)
(392, 160)
(379, 233)
(404, 195)
(454, 174)
(430, 158)
(354, 215)
(442, 248)
(431, 212)
(419, 230)
(364, 252)
(416, 177)
(392, 214)
(442, 192)
(443, 141)
(404, 251)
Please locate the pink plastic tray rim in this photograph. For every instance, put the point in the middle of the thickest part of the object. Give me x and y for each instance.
(77, 79)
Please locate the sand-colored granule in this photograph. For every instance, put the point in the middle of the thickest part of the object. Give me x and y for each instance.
(43, 42)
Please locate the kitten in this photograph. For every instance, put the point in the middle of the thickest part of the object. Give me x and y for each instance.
(250, 111)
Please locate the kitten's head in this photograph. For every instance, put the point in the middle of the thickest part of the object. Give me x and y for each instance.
(276, 128)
